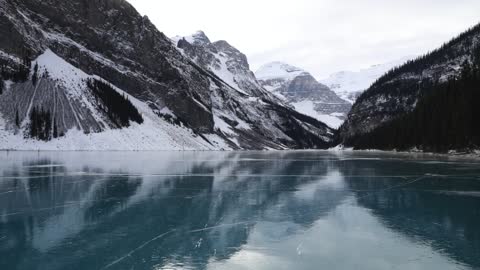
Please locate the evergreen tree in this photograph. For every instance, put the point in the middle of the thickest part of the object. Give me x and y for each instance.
(476, 59)
(33, 123)
(40, 124)
(15, 72)
(35, 74)
(116, 106)
(55, 130)
(17, 118)
(466, 70)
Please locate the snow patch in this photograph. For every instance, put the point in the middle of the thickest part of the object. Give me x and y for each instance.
(346, 83)
(226, 75)
(278, 70)
(154, 133)
(307, 107)
(63, 72)
(222, 125)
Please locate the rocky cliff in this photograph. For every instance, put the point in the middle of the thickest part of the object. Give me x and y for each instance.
(53, 48)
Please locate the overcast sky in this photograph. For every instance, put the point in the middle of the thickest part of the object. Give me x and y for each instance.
(321, 36)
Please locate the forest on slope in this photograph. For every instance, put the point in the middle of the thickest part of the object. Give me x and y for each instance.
(445, 118)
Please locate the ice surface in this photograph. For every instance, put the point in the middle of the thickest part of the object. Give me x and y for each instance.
(237, 210)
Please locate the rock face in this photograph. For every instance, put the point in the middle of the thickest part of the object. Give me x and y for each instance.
(185, 105)
(398, 91)
(225, 61)
(349, 85)
(232, 68)
(300, 89)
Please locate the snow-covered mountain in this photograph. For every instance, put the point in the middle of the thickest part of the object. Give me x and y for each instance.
(399, 91)
(350, 84)
(95, 75)
(223, 60)
(301, 90)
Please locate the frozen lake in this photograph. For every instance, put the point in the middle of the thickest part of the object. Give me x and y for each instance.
(237, 210)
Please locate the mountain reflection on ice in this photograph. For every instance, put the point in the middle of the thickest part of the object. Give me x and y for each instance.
(237, 210)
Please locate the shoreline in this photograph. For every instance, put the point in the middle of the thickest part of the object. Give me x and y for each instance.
(452, 154)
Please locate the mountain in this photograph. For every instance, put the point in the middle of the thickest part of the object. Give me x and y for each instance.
(429, 103)
(223, 60)
(350, 84)
(93, 75)
(301, 90)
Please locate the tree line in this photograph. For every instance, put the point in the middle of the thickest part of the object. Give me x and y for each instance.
(461, 45)
(116, 106)
(445, 118)
(42, 124)
(16, 72)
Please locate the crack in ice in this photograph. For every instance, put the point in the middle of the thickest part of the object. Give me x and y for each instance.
(137, 249)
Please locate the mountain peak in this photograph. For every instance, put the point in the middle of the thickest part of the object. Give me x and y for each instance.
(197, 38)
(301, 90)
(225, 61)
(200, 36)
